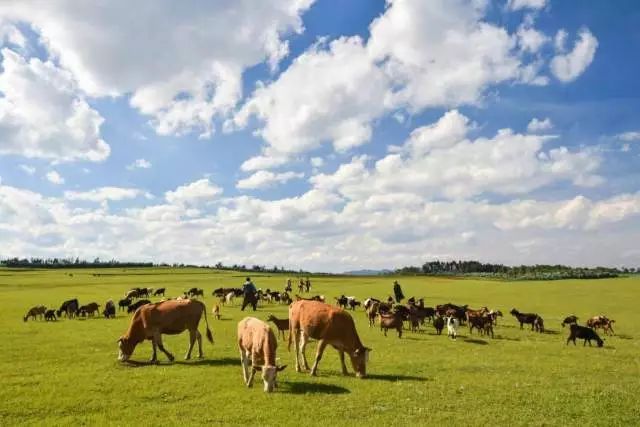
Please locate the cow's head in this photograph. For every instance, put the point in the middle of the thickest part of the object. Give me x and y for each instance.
(359, 359)
(125, 349)
(269, 374)
(600, 342)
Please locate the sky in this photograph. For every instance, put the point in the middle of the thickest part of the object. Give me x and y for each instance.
(321, 134)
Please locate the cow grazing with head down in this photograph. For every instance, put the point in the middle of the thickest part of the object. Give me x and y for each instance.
(34, 312)
(69, 308)
(257, 344)
(329, 325)
(136, 305)
(159, 292)
(89, 309)
(168, 317)
(50, 315)
(124, 303)
(585, 333)
(109, 311)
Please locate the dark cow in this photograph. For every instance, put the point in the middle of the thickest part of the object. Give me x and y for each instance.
(329, 325)
(89, 309)
(342, 301)
(133, 307)
(281, 324)
(124, 303)
(528, 318)
(391, 321)
(482, 322)
(69, 308)
(50, 315)
(34, 312)
(585, 333)
(144, 292)
(194, 292)
(569, 320)
(168, 317)
(109, 310)
(159, 292)
(438, 323)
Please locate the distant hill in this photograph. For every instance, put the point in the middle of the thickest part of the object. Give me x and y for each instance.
(367, 272)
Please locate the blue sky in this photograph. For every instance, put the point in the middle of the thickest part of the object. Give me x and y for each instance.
(320, 134)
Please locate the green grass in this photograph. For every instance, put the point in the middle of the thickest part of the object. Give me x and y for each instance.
(66, 372)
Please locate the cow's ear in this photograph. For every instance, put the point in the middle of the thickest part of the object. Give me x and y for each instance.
(119, 340)
(281, 368)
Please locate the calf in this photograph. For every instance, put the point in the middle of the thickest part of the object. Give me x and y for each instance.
(281, 324)
(257, 344)
(109, 310)
(527, 318)
(50, 315)
(372, 312)
(216, 311)
(124, 303)
(329, 325)
(438, 323)
(159, 292)
(585, 333)
(133, 307)
(391, 321)
(34, 312)
(452, 326)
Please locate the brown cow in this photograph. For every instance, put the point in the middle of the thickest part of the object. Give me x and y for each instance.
(281, 324)
(89, 309)
(171, 317)
(257, 344)
(329, 325)
(38, 310)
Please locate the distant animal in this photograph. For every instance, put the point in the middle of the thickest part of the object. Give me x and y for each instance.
(569, 320)
(285, 298)
(319, 298)
(216, 311)
(89, 309)
(133, 293)
(391, 321)
(159, 292)
(221, 292)
(281, 324)
(452, 326)
(228, 298)
(457, 311)
(528, 318)
(109, 310)
(601, 322)
(143, 292)
(136, 305)
(438, 323)
(482, 322)
(372, 312)
(353, 303)
(50, 315)
(328, 325)
(69, 308)
(194, 292)
(34, 312)
(257, 344)
(494, 314)
(342, 301)
(585, 333)
(124, 303)
(169, 317)
(368, 302)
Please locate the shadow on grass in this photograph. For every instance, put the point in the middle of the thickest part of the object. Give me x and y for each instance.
(624, 337)
(475, 341)
(551, 332)
(311, 388)
(500, 337)
(394, 377)
(225, 361)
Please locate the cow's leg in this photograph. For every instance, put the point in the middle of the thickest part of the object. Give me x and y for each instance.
(293, 334)
(154, 345)
(244, 360)
(158, 338)
(342, 364)
(192, 341)
(303, 345)
(199, 338)
(321, 346)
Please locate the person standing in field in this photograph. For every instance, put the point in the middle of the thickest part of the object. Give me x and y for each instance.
(397, 291)
(249, 290)
(307, 284)
(288, 288)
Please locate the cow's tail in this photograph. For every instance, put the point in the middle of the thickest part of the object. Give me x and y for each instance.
(206, 321)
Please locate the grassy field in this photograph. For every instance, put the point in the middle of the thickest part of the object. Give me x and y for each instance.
(66, 372)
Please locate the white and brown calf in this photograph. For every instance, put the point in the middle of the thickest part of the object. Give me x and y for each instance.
(257, 344)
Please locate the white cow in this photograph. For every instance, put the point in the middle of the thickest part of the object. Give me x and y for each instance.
(257, 344)
(452, 326)
(228, 299)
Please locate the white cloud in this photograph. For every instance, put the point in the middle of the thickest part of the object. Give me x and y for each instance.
(182, 65)
(526, 4)
(265, 179)
(536, 125)
(201, 191)
(568, 67)
(104, 194)
(529, 39)
(54, 178)
(29, 170)
(42, 115)
(629, 136)
(139, 164)
(560, 40)
(268, 160)
(317, 162)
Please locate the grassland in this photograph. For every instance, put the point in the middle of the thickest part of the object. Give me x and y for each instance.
(66, 372)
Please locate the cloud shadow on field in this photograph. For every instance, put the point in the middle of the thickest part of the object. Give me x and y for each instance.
(311, 388)
(395, 377)
(475, 341)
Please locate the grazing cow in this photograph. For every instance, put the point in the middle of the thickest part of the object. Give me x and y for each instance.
(143, 292)
(438, 323)
(89, 309)
(391, 321)
(585, 333)
(194, 292)
(133, 307)
(342, 301)
(329, 325)
(159, 292)
(528, 318)
(109, 310)
(38, 310)
(50, 315)
(124, 303)
(353, 303)
(257, 344)
(281, 324)
(69, 307)
(452, 326)
(216, 311)
(133, 293)
(169, 317)
(569, 320)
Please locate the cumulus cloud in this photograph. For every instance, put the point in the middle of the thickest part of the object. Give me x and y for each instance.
(182, 65)
(29, 170)
(197, 192)
(265, 179)
(526, 4)
(103, 194)
(536, 125)
(629, 136)
(42, 115)
(54, 178)
(567, 67)
(139, 164)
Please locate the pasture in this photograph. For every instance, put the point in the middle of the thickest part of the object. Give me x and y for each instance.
(66, 372)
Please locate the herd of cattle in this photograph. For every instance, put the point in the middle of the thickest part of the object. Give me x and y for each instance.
(309, 318)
